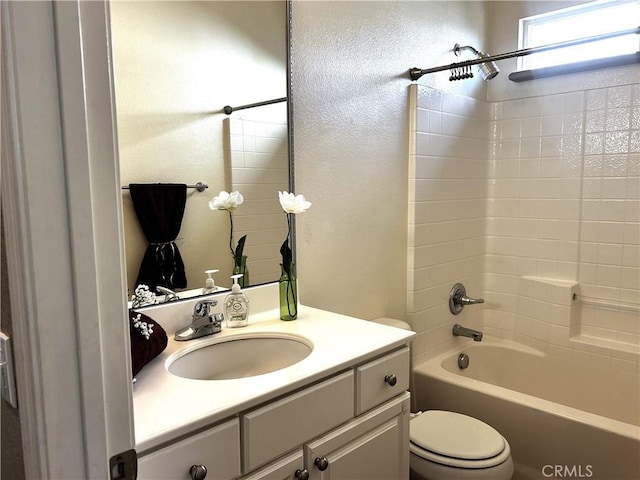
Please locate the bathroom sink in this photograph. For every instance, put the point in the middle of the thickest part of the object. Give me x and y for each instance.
(239, 357)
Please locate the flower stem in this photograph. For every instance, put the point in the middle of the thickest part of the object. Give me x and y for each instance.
(291, 290)
(233, 253)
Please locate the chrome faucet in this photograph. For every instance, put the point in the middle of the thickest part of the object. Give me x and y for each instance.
(458, 299)
(460, 331)
(203, 322)
(169, 295)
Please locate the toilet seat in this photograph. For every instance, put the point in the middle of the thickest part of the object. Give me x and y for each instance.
(457, 440)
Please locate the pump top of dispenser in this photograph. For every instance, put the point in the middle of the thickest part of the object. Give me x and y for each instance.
(235, 288)
(209, 284)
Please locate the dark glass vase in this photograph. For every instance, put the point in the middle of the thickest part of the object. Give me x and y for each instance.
(288, 294)
(241, 267)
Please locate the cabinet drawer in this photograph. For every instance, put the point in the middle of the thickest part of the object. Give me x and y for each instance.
(217, 448)
(282, 425)
(371, 387)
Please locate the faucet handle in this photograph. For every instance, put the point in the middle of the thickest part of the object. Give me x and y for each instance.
(203, 308)
(470, 301)
(458, 299)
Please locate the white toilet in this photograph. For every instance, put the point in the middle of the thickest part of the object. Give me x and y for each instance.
(452, 446)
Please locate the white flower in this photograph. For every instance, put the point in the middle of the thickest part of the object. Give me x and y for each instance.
(293, 203)
(226, 201)
(145, 329)
(143, 296)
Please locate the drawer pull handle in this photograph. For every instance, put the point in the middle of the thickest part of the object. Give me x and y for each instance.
(321, 463)
(302, 474)
(391, 380)
(198, 472)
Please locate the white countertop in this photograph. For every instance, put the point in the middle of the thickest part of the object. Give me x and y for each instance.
(167, 406)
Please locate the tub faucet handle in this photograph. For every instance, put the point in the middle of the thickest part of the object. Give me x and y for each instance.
(458, 299)
(470, 301)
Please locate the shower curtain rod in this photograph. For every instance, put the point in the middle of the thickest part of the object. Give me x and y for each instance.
(200, 186)
(229, 110)
(416, 73)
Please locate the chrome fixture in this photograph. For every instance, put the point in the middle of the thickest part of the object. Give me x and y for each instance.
(169, 295)
(200, 186)
(415, 73)
(460, 73)
(487, 70)
(460, 331)
(203, 322)
(228, 109)
(458, 299)
(463, 361)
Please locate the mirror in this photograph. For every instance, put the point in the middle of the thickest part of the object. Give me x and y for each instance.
(176, 66)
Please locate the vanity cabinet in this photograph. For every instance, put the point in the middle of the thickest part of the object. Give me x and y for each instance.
(352, 425)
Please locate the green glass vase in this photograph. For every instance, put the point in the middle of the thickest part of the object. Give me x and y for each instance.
(288, 293)
(240, 267)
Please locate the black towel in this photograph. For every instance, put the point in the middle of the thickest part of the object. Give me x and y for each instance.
(160, 208)
(148, 340)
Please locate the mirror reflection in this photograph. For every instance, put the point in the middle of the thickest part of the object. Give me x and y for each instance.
(176, 66)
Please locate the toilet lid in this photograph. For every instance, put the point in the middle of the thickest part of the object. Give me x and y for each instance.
(455, 435)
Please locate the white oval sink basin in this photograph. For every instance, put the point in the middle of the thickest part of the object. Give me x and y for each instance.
(239, 357)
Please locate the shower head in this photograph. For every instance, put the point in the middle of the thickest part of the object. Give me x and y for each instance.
(487, 70)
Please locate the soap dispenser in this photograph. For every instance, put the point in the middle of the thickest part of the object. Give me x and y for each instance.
(209, 284)
(236, 305)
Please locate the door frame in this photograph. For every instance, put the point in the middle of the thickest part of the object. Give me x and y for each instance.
(61, 202)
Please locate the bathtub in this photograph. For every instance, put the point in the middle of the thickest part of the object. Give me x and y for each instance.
(569, 417)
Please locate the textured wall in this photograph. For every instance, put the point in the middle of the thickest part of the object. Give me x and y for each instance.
(351, 117)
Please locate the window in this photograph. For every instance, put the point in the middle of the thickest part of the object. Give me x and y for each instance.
(581, 21)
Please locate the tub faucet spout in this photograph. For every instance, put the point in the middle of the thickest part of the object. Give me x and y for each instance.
(460, 331)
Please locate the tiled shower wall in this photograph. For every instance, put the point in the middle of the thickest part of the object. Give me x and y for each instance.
(447, 201)
(560, 179)
(563, 205)
(259, 166)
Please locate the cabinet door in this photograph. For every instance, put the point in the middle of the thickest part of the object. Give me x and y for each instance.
(374, 446)
(218, 449)
(290, 467)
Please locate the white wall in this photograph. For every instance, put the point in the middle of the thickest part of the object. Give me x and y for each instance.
(351, 117)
